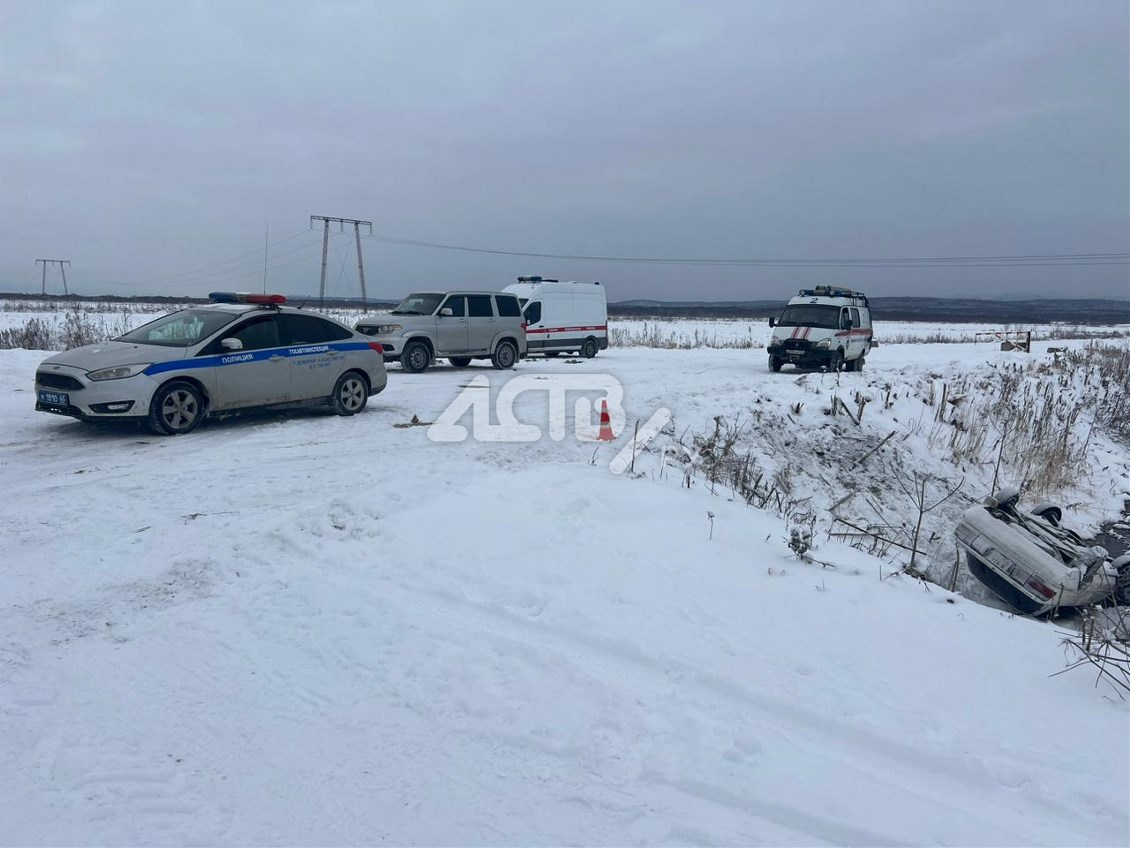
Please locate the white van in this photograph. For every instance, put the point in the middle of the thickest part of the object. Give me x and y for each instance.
(826, 326)
(563, 317)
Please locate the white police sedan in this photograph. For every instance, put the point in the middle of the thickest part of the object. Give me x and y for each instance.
(242, 351)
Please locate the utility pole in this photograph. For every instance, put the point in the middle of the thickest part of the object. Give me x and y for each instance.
(357, 225)
(266, 245)
(62, 263)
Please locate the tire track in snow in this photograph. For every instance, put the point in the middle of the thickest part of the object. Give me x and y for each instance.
(962, 781)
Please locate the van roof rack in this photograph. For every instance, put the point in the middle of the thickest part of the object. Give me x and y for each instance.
(536, 279)
(832, 291)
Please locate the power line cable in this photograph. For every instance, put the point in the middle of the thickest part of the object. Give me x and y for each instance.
(199, 275)
(1019, 260)
(232, 274)
(207, 268)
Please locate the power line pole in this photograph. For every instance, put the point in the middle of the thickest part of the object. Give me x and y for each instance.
(357, 225)
(266, 246)
(62, 263)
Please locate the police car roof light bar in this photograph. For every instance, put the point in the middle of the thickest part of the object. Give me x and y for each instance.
(247, 297)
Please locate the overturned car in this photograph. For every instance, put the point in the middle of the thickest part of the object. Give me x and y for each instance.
(1033, 563)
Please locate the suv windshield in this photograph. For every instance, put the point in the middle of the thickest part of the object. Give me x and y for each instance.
(811, 315)
(418, 304)
(181, 329)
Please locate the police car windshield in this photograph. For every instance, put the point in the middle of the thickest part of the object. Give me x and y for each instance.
(418, 304)
(811, 315)
(181, 329)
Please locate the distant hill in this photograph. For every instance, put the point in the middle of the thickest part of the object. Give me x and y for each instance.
(1079, 311)
(946, 309)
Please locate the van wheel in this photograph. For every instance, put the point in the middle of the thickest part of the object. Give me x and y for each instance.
(350, 394)
(504, 356)
(859, 364)
(415, 357)
(775, 364)
(589, 348)
(837, 363)
(459, 361)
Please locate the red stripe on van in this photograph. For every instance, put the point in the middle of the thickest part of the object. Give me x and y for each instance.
(565, 329)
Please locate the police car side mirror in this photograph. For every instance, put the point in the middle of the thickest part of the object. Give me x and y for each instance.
(231, 344)
(772, 321)
(446, 312)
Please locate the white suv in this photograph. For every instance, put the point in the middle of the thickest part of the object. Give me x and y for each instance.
(460, 326)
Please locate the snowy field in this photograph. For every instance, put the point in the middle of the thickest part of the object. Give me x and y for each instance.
(675, 333)
(311, 630)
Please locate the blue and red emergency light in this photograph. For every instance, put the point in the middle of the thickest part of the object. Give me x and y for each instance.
(247, 297)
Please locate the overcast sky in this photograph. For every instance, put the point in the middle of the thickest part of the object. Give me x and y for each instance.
(153, 144)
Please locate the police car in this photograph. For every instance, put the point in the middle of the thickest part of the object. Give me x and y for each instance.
(240, 352)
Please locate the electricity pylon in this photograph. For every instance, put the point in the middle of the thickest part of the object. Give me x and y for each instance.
(62, 263)
(325, 249)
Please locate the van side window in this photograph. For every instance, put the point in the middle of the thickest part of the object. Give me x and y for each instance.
(508, 306)
(456, 304)
(855, 316)
(478, 306)
(844, 318)
(533, 312)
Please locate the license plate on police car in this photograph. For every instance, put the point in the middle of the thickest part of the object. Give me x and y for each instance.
(55, 398)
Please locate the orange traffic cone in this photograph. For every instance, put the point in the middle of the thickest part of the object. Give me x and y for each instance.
(606, 434)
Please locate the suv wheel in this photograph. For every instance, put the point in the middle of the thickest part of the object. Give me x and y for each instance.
(415, 357)
(176, 408)
(505, 355)
(589, 348)
(350, 394)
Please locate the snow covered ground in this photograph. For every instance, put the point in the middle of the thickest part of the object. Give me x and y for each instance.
(305, 629)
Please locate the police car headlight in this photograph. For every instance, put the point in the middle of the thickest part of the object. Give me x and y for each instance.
(823, 344)
(117, 372)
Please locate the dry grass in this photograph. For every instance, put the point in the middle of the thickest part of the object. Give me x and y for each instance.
(661, 334)
(1052, 334)
(76, 328)
(1033, 422)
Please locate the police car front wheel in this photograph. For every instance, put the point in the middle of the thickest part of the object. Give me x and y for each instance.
(176, 408)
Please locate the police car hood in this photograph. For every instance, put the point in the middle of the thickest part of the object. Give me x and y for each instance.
(108, 354)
